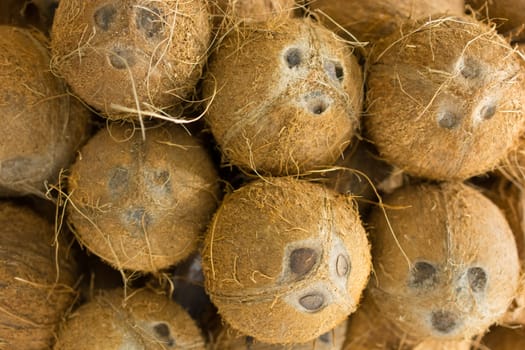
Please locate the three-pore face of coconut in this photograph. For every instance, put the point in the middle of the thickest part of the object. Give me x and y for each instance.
(285, 260)
(143, 319)
(446, 261)
(131, 55)
(142, 204)
(285, 97)
(445, 98)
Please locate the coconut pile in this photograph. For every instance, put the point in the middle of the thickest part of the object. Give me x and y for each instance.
(262, 175)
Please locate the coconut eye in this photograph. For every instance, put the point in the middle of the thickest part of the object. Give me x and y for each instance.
(119, 181)
(448, 119)
(317, 102)
(444, 321)
(469, 68)
(149, 21)
(477, 279)
(122, 58)
(104, 16)
(423, 275)
(293, 57)
(487, 111)
(162, 332)
(334, 70)
(312, 302)
(302, 260)
(342, 265)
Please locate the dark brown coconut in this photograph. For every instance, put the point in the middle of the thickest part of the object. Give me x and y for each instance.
(37, 279)
(372, 20)
(286, 97)
(508, 15)
(285, 260)
(37, 13)
(254, 10)
(141, 205)
(144, 320)
(229, 339)
(41, 124)
(503, 338)
(130, 55)
(442, 110)
(446, 263)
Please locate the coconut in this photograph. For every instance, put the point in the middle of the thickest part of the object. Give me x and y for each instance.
(229, 339)
(286, 97)
(446, 262)
(37, 279)
(142, 204)
(508, 15)
(254, 10)
(285, 260)
(42, 126)
(131, 55)
(372, 20)
(143, 320)
(442, 110)
(503, 338)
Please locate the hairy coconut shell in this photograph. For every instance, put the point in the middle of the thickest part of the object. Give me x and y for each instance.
(446, 262)
(503, 338)
(372, 20)
(442, 110)
(286, 97)
(137, 54)
(37, 279)
(229, 339)
(508, 15)
(254, 10)
(144, 320)
(42, 126)
(142, 204)
(285, 260)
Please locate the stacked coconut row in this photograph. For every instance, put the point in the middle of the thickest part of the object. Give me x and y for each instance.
(285, 258)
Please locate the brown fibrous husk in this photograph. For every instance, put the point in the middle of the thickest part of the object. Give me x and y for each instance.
(507, 15)
(228, 13)
(444, 98)
(446, 263)
(141, 320)
(503, 338)
(285, 260)
(142, 204)
(286, 96)
(37, 279)
(131, 57)
(42, 126)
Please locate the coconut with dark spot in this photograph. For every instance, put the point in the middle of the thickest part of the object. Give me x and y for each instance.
(37, 279)
(508, 15)
(446, 262)
(503, 338)
(254, 10)
(142, 204)
(229, 339)
(42, 126)
(143, 320)
(285, 260)
(445, 111)
(131, 55)
(372, 20)
(286, 97)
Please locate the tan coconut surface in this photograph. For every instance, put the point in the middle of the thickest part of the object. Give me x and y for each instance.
(507, 15)
(503, 338)
(372, 20)
(131, 55)
(286, 96)
(445, 111)
(252, 10)
(41, 124)
(142, 205)
(230, 339)
(446, 262)
(37, 279)
(144, 320)
(285, 260)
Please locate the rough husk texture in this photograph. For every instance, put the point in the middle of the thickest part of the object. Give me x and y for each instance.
(372, 20)
(250, 268)
(234, 11)
(454, 268)
(42, 126)
(142, 205)
(138, 54)
(445, 98)
(508, 15)
(144, 320)
(36, 279)
(286, 97)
